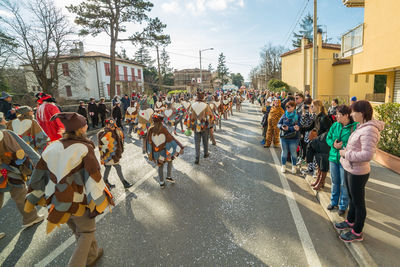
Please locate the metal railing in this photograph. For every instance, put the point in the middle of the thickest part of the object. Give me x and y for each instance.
(128, 78)
(352, 41)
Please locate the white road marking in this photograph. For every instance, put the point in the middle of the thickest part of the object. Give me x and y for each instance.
(65, 245)
(306, 242)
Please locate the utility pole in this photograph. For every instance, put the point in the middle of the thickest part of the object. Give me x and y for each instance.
(159, 69)
(201, 71)
(315, 54)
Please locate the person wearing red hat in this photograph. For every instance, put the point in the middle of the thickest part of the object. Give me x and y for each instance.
(68, 181)
(47, 108)
(162, 148)
(111, 146)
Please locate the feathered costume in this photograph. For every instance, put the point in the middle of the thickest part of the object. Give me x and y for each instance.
(15, 165)
(201, 116)
(161, 145)
(67, 180)
(111, 145)
(30, 131)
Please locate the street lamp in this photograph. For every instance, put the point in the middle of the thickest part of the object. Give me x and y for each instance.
(201, 72)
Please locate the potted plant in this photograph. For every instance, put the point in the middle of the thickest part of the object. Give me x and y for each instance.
(388, 152)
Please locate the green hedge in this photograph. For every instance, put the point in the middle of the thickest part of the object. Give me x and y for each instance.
(390, 114)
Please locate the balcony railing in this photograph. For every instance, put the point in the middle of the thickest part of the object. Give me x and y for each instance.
(128, 78)
(352, 41)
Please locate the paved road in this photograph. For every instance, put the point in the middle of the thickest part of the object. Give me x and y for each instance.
(234, 209)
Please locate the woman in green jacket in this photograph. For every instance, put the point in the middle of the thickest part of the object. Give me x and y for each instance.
(337, 138)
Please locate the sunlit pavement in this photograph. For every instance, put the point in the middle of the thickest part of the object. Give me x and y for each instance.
(234, 209)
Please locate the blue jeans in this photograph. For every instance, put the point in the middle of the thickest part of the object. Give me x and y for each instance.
(289, 145)
(339, 194)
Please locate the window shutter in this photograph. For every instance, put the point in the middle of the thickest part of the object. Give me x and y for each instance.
(69, 91)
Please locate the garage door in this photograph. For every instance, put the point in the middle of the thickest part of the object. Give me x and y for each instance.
(396, 94)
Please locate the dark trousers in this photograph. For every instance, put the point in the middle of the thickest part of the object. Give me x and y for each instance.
(303, 148)
(356, 189)
(198, 136)
(264, 133)
(102, 118)
(161, 171)
(179, 121)
(118, 168)
(95, 120)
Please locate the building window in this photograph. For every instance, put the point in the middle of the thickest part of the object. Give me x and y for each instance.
(367, 78)
(118, 89)
(139, 74)
(107, 68)
(356, 78)
(65, 69)
(133, 74)
(108, 89)
(69, 91)
(126, 73)
(116, 73)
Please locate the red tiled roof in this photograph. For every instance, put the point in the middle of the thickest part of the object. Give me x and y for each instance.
(341, 62)
(98, 54)
(324, 45)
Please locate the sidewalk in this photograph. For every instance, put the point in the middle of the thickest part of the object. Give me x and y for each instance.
(381, 245)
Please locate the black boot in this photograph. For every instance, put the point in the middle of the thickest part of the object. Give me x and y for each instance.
(127, 184)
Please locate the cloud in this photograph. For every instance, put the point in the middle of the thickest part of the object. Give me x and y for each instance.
(201, 6)
(171, 7)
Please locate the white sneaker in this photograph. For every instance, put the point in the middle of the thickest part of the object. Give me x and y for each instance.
(283, 169)
(294, 170)
(2, 235)
(37, 220)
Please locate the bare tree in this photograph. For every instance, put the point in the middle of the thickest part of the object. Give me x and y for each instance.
(271, 61)
(7, 47)
(41, 33)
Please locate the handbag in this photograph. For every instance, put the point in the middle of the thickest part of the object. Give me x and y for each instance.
(288, 135)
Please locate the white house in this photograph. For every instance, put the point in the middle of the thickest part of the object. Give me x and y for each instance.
(83, 75)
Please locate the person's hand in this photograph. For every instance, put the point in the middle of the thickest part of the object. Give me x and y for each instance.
(342, 153)
(296, 127)
(12, 111)
(338, 145)
(285, 127)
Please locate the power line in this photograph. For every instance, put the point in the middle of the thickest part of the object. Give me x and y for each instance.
(185, 55)
(295, 19)
(298, 20)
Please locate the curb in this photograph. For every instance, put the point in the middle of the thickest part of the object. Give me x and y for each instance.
(357, 249)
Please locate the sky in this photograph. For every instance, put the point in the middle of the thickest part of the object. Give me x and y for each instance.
(237, 28)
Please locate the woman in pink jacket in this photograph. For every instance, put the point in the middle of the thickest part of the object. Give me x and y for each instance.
(355, 158)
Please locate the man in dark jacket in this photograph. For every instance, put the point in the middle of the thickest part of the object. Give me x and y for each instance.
(83, 111)
(117, 114)
(102, 109)
(126, 102)
(93, 112)
(6, 106)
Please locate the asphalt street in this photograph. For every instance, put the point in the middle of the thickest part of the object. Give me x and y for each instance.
(234, 209)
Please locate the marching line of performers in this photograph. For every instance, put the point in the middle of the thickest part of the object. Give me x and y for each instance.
(47, 159)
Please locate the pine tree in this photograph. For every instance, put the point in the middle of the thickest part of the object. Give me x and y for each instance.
(111, 17)
(306, 30)
(210, 68)
(142, 55)
(166, 70)
(222, 69)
